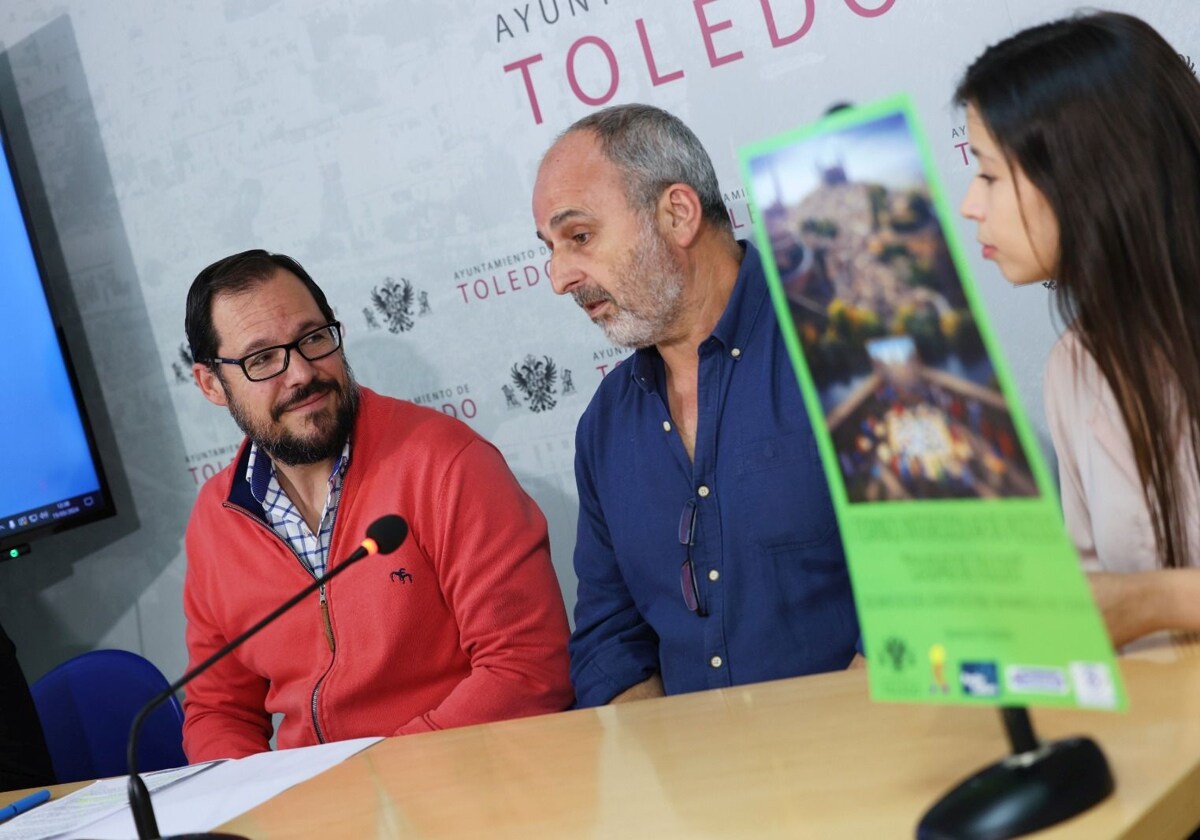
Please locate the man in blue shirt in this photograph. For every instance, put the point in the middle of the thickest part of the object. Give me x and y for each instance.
(707, 550)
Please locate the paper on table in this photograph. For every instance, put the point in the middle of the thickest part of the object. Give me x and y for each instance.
(228, 790)
(89, 804)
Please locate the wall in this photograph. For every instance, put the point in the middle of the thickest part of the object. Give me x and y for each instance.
(391, 147)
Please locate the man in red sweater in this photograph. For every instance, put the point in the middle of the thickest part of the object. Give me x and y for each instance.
(463, 624)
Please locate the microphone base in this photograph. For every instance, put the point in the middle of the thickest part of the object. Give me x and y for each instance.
(1022, 793)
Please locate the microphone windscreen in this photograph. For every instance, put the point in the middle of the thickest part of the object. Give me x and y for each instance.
(388, 532)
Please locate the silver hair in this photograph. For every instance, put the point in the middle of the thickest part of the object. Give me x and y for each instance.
(654, 149)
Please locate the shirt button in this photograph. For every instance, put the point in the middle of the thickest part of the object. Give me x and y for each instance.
(666, 425)
(714, 575)
(736, 353)
(715, 662)
(703, 491)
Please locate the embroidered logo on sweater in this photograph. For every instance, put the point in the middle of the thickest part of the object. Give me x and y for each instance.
(401, 575)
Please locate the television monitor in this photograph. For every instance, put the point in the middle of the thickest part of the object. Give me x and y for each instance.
(51, 477)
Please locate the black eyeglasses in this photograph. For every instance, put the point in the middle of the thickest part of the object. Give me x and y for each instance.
(272, 361)
(687, 572)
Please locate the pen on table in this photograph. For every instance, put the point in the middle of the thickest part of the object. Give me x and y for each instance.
(23, 805)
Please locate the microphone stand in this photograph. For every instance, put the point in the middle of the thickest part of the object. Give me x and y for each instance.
(1039, 785)
(139, 796)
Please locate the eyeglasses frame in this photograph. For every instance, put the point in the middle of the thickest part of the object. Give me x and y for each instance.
(287, 352)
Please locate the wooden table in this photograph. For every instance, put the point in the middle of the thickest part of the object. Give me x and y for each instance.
(809, 757)
(802, 758)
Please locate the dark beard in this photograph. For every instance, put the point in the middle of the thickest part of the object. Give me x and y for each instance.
(331, 434)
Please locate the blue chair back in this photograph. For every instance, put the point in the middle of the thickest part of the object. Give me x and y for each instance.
(87, 705)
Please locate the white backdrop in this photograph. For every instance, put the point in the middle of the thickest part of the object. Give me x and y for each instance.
(391, 147)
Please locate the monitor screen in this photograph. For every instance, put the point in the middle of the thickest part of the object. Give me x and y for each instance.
(50, 475)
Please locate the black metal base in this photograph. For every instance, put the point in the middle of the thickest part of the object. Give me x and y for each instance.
(1022, 793)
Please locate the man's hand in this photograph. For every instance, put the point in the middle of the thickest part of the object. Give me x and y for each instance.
(652, 687)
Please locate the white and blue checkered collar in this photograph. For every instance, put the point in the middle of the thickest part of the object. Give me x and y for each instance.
(259, 473)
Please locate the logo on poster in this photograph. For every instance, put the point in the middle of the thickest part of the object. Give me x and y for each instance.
(937, 663)
(897, 654)
(1094, 686)
(1035, 679)
(979, 679)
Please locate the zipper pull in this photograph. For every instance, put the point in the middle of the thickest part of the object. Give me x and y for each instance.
(325, 621)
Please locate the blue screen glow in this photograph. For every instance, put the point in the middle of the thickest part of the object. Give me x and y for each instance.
(45, 459)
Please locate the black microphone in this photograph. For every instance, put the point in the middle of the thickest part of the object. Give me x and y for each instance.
(384, 536)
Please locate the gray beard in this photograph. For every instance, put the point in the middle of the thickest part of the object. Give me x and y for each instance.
(662, 281)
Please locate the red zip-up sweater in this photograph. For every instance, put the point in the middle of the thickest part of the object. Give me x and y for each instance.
(463, 624)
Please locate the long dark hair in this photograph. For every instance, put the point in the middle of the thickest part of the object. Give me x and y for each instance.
(1103, 116)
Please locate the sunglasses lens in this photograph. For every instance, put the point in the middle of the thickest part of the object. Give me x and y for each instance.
(688, 583)
(687, 520)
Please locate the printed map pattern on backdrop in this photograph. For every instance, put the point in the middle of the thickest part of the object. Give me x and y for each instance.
(432, 264)
(434, 268)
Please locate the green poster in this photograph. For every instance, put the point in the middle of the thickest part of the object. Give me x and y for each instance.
(967, 585)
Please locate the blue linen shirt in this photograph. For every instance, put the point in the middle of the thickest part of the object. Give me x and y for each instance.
(768, 557)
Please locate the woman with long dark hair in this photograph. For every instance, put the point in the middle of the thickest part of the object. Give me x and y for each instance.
(1087, 136)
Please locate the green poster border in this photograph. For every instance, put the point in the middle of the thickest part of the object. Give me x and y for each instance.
(1043, 510)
